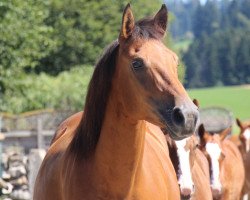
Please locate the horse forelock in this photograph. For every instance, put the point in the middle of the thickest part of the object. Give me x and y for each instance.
(146, 29)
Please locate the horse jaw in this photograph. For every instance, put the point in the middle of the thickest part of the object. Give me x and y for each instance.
(214, 152)
(246, 134)
(185, 180)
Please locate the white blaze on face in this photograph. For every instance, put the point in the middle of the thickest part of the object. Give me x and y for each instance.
(246, 134)
(214, 152)
(185, 179)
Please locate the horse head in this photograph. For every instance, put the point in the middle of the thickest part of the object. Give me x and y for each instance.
(185, 148)
(244, 135)
(211, 146)
(146, 80)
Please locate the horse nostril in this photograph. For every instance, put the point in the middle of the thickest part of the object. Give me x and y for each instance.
(178, 117)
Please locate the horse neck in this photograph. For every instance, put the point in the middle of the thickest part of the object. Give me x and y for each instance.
(119, 152)
(240, 144)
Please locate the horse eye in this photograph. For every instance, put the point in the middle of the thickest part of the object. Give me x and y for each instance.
(137, 64)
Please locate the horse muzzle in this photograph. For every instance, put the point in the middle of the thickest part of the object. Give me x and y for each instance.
(216, 191)
(185, 120)
(186, 192)
(181, 122)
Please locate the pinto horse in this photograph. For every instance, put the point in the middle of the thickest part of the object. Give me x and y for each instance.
(242, 140)
(191, 168)
(226, 165)
(116, 149)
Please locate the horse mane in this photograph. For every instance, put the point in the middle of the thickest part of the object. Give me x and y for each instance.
(88, 131)
(174, 156)
(89, 128)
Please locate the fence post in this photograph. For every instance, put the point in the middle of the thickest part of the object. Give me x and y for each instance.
(40, 140)
(35, 159)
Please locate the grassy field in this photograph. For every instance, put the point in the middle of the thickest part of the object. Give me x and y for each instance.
(235, 99)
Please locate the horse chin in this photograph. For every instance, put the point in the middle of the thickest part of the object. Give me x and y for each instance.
(174, 135)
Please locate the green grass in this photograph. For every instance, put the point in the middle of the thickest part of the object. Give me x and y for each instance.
(235, 99)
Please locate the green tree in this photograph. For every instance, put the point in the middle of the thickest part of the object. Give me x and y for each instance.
(211, 73)
(227, 54)
(243, 60)
(206, 19)
(83, 28)
(222, 56)
(53, 36)
(24, 38)
(193, 67)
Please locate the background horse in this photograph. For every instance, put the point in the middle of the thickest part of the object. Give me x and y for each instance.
(191, 168)
(226, 165)
(242, 140)
(116, 149)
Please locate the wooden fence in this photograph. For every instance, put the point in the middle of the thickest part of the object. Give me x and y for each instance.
(32, 132)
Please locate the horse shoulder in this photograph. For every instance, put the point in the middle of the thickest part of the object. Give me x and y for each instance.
(202, 162)
(49, 177)
(158, 170)
(230, 148)
(200, 176)
(50, 172)
(70, 123)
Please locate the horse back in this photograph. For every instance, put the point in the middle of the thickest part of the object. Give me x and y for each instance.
(235, 139)
(231, 149)
(232, 171)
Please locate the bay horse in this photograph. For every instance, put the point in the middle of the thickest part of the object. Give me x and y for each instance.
(116, 148)
(242, 140)
(226, 165)
(191, 168)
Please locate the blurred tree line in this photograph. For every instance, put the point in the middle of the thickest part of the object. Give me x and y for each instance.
(47, 46)
(53, 35)
(220, 50)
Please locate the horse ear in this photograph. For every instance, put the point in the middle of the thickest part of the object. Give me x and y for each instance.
(202, 135)
(201, 131)
(196, 102)
(239, 123)
(225, 133)
(128, 23)
(161, 19)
